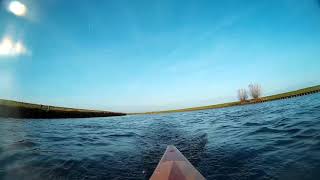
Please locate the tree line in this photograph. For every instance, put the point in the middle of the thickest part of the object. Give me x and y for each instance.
(254, 92)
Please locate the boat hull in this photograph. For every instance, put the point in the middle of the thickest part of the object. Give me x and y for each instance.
(174, 166)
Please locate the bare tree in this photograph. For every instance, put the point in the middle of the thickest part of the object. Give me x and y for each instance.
(242, 95)
(255, 90)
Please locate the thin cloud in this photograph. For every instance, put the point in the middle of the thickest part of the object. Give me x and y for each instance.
(10, 48)
(224, 23)
(6, 83)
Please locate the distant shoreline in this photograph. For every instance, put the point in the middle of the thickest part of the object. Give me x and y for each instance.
(22, 110)
(286, 95)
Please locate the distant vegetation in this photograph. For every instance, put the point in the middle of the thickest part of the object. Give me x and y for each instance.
(242, 95)
(255, 93)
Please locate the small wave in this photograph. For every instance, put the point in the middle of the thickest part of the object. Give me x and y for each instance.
(302, 113)
(316, 146)
(284, 142)
(278, 111)
(196, 120)
(99, 143)
(224, 126)
(283, 121)
(130, 134)
(23, 143)
(316, 107)
(86, 126)
(293, 131)
(310, 132)
(303, 124)
(266, 130)
(302, 137)
(86, 139)
(281, 124)
(246, 114)
(251, 124)
(273, 130)
(57, 138)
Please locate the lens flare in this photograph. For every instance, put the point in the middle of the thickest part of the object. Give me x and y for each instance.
(10, 48)
(17, 8)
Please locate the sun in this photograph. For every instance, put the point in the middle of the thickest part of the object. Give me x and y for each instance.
(17, 8)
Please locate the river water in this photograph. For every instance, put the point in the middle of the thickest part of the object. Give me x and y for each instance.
(273, 140)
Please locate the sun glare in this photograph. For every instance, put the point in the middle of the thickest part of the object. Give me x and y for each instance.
(17, 8)
(10, 48)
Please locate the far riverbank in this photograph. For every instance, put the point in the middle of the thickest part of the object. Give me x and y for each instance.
(15, 109)
(286, 95)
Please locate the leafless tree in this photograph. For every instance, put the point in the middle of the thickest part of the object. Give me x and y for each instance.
(242, 95)
(255, 90)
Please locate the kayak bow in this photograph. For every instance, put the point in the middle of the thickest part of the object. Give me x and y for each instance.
(174, 166)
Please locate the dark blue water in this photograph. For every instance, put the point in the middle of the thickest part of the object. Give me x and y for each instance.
(274, 140)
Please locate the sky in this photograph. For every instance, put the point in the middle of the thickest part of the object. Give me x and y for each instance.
(148, 55)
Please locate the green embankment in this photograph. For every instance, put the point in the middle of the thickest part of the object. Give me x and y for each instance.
(300, 92)
(17, 109)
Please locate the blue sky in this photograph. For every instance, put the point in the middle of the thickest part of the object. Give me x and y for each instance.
(134, 55)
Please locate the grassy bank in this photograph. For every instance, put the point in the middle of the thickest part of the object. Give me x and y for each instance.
(291, 94)
(16, 109)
